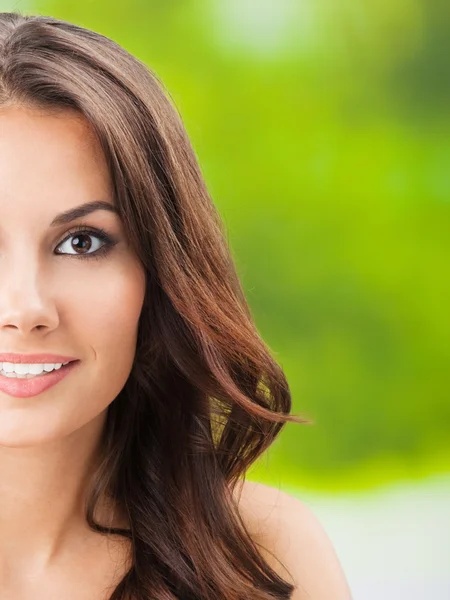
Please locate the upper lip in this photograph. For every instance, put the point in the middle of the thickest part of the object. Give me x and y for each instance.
(35, 358)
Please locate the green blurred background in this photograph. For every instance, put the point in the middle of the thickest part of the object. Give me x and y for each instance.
(322, 129)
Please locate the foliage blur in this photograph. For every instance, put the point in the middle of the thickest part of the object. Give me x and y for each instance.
(322, 129)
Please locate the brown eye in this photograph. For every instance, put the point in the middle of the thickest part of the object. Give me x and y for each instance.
(82, 243)
(86, 243)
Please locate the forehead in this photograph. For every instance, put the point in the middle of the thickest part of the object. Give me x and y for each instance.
(49, 157)
(26, 126)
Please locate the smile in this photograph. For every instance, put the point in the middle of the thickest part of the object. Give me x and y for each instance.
(23, 380)
(24, 371)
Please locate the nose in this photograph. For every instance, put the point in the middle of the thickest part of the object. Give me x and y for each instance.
(26, 304)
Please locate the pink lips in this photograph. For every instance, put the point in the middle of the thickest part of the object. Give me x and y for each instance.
(25, 388)
(35, 358)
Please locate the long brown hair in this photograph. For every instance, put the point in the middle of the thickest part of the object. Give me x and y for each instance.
(204, 398)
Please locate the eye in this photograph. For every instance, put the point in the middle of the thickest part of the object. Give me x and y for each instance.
(84, 242)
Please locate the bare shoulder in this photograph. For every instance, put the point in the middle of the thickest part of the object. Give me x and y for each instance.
(293, 542)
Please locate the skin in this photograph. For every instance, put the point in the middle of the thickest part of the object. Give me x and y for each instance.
(292, 541)
(52, 301)
(63, 304)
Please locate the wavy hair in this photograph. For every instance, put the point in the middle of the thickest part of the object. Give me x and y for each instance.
(204, 398)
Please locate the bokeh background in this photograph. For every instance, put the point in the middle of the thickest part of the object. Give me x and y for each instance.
(322, 129)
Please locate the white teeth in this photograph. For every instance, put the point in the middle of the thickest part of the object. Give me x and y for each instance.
(23, 370)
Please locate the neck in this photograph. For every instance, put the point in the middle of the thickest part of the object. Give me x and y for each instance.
(42, 496)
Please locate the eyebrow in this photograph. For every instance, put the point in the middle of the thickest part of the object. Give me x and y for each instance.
(81, 211)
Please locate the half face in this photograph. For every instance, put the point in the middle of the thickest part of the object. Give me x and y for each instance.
(71, 288)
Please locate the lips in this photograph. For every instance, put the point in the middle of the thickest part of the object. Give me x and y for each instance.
(35, 358)
(26, 388)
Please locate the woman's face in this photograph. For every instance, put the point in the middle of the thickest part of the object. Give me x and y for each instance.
(70, 286)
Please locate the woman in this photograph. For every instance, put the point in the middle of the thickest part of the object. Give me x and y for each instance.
(135, 390)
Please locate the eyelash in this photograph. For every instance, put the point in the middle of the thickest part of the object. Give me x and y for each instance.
(108, 242)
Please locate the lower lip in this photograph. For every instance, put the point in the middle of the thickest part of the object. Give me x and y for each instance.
(25, 388)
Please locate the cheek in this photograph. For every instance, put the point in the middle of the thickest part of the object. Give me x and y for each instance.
(104, 321)
(110, 310)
